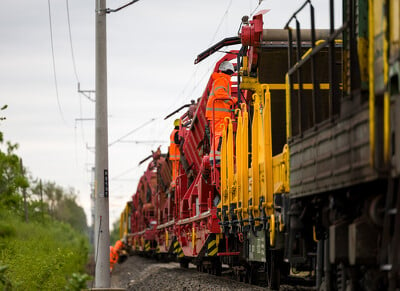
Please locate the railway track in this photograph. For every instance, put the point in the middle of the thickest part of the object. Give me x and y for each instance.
(139, 273)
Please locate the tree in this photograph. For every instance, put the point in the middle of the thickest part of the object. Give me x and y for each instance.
(61, 204)
(68, 211)
(11, 176)
(114, 235)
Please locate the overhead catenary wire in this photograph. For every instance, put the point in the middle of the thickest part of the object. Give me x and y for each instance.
(195, 80)
(259, 3)
(130, 132)
(193, 75)
(70, 42)
(207, 72)
(54, 65)
(125, 172)
(221, 21)
(83, 92)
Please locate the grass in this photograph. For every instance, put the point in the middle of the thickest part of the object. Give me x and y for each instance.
(40, 256)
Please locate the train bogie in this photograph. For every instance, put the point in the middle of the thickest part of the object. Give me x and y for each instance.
(307, 189)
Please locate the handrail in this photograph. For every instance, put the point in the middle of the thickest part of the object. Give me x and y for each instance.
(371, 81)
(239, 167)
(245, 162)
(267, 125)
(317, 49)
(229, 99)
(297, 11)
(230, 161)
(255, 187)
(223, 174)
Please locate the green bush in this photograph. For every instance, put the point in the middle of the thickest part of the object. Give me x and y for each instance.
(77, 282)
(5, 283)
(41, 256)
(6, 229)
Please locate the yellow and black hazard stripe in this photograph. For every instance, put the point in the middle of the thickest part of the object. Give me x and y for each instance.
(212, 247)
(178, 250)
(147, 246)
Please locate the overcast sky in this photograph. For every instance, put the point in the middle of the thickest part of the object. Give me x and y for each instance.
(151, 48)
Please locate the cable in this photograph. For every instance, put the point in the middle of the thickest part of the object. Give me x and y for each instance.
(259, 3)
(132, 131)
(125, 172)
(54, 65)
(74, 65)
(70, 42)
(178, 99)
(221, 21)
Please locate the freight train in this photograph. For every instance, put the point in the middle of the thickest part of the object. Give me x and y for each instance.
(308, 183)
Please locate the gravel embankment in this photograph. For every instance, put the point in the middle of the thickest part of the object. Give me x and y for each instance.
(139, 273)
(142, 274)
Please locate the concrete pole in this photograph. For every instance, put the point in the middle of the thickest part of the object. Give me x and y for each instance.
(102, 252)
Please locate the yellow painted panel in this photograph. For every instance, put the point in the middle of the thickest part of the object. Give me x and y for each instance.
(306, 86)
(280, 166)
(245, 163)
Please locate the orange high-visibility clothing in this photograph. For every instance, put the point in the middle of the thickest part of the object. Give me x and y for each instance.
(113, 257)
(118, 245)
(174, 155)
(173, 147)
(217, 140)
(221, 88)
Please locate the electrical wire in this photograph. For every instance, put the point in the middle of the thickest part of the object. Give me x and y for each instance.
(132, 131)
(74, 64)
(221, 21)
(259, 3)
(70, 42)
(54, 65)
(179, 99)
(125, 172)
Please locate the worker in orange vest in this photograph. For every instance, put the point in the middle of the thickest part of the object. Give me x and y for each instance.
(119, 245)
(221, 88)
(113, 257)
(122, 255)
(174, 154)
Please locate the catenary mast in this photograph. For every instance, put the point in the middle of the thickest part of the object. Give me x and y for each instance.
(102, 232)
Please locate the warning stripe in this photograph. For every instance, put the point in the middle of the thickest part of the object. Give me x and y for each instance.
(212, 248)
(213, 253)
(178, 250)
(211, 244)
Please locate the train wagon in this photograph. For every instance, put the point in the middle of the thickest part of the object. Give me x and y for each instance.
(307, 189)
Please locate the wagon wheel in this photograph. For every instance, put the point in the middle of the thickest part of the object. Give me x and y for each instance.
(273, 270)
(252, 275)
(184, 264)
(216, 267)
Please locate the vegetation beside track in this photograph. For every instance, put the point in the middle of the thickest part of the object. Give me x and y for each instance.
(40, 255)
(43, 231)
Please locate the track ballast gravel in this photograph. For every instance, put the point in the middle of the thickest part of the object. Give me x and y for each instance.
(139, 273)
(142, 274)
